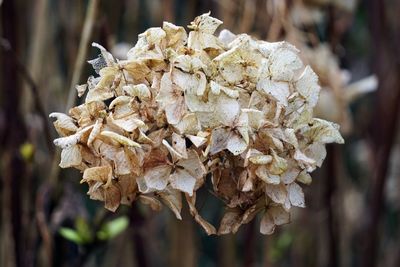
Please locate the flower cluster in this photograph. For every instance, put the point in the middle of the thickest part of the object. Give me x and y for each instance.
(183, 108)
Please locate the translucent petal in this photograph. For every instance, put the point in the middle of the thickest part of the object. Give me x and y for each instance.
(296, 195)
(70, 157)
(267, 225)
(157, 177)
(183, 181)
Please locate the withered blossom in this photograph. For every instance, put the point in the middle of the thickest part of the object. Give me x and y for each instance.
(183, 108)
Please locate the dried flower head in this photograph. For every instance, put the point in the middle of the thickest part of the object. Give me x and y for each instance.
(183, 106)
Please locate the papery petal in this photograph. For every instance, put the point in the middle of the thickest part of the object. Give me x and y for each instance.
(157, 177)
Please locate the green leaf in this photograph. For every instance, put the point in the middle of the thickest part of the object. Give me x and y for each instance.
(113, 228)
(71, 235)
(82, 227)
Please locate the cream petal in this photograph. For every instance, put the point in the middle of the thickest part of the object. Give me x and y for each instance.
(236, 145)
(157, 177)
(279, 215)
(277, 193)
(183, 181)
(296, 195)
(307, 86)
(173, 199)
(70, 157)
(267, 225)
(193, 165)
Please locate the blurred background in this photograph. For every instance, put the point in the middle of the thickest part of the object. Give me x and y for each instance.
(353, 205)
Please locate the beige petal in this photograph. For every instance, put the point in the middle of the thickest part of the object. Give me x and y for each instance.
(198, 141)
(67, 141)
(157, 177)
(183, 181)
(307, 86)
(263, 174)
(217, 88)
(279, 215)
(167, 94)
(175, 111)
(256, 118)
(107, 56)
(99, 94)
(278, 90)
(176, 35)
(193, 165)
(70, 157)
(230, 222)
(95, 131)
(100, 174)
(205, 23)
(174, 154)
(304, 178)
(277, 193)
(189, 124)
(210, 230)
(142, 186)
(324, 132)
(197, 104)
(122, 163)
(202, 82)
(226, 36)
(154, 203)
(304, 160)
(179, 144)
(278, 166)
(173, 199)
(81, 89)
(64, 121)
(120, 138)
(251, 212)
(129, 123)
(290, 175)
(296, 195)
(260, 159)
(219, 140)
(267, 225)
(140, 91)
(317, 152)
(236, 145)
(112, 198)
(284, 63)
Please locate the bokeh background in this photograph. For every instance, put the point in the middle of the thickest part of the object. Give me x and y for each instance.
(353, 205)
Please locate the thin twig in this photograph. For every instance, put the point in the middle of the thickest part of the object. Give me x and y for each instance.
(329, 196)
(14, 172)
(43, 227)
(5, 44)
(136, 224)
(250, 241)
(83, 47)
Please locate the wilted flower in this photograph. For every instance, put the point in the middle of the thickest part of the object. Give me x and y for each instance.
(184, 108)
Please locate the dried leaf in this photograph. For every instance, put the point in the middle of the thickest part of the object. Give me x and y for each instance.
(267, 225)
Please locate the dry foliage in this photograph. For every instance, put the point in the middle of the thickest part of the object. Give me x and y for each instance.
(184, 107)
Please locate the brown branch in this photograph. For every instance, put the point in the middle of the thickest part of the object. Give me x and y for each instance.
(250, 241)
(14, 171)
(136, 224)
(329, 197)
(90, 17)
(386, 65)
(43, 227)
(83, 47)
(5, 44)
(169, 10)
